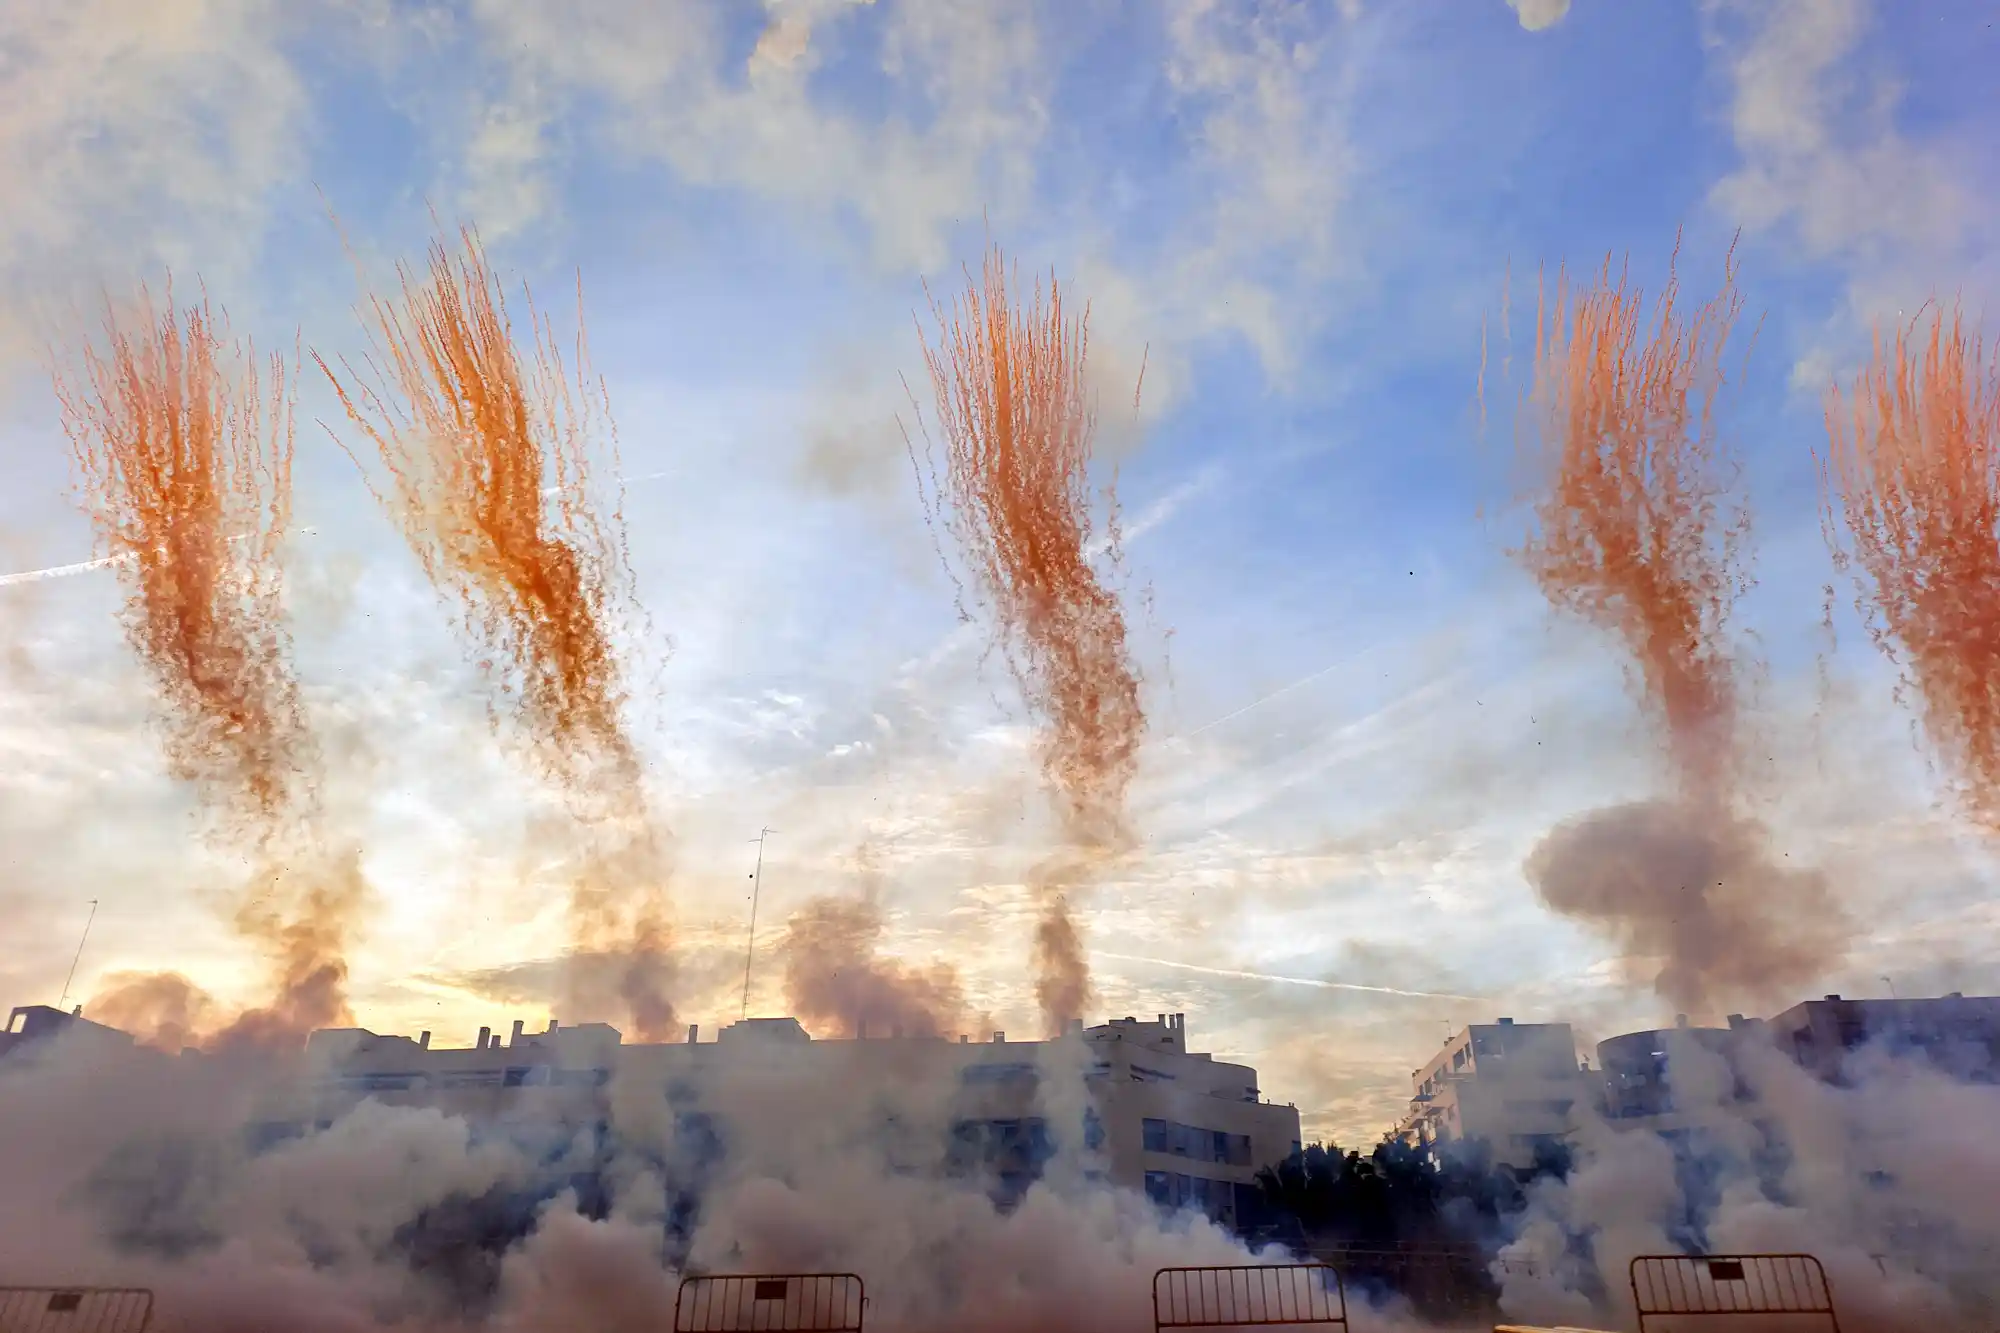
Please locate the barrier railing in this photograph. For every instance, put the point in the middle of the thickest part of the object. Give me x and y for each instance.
(1249, 1296)
(1670, 1288)
(770, 1303)
(75, 1309)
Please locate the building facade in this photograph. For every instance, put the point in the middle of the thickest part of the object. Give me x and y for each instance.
(1672, 1079)
(1129, 1102)
(1516, 1087)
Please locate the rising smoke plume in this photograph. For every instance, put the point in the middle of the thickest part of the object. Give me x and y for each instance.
(183, 450)
(489, 460)
(1639, 530)
(1018, 425)
(839, 984)
(1913, 478)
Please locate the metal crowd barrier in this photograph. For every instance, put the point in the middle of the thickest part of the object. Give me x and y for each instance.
(1671, 1288)
(75, 1309)
(1249, 1296)
(768, 1303)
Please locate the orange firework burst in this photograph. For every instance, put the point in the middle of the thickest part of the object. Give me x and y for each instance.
(1913, 474)
(185, 463)
(1637, 530)
(1634, 531)
(489, 461)
(1015, 412)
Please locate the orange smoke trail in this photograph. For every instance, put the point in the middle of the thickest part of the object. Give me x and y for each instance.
(489, 461)
(1018, 426)
(1633, 530)
(1913, 475)
(184, 456)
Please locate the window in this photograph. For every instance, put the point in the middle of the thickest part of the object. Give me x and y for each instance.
(1093, 1130)
(1006, 1073)
(381, 1082)
(1157, 1137)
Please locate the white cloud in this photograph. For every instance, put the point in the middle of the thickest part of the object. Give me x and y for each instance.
(967, 82)
(1825, 164)
(1536, 15)
(133, 135)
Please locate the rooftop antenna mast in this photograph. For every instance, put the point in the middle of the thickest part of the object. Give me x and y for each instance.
(63, 1003)
(756, 888)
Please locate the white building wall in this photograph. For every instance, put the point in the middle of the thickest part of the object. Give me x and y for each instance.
(1513, 1085)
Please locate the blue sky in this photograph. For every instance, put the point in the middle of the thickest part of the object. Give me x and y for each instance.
(1301, 215)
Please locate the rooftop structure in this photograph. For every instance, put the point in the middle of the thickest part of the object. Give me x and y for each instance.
(30, 1024)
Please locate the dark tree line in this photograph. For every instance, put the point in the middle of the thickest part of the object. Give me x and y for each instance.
(1425, 1223)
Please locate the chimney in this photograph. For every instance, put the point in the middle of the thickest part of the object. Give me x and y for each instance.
(553, 1025)
(963, 1039)
(1736, 1021)
(1161, 1019)
(493, 1042)
(515, 1040)
(1833, 997)
(1954, 995)
(483, 1042)
(1000, 1037)
(1506, 1022)
(1076, 1025)
(76, 1012)
(1680, 1020)
(694, 1033)
(424, 1040)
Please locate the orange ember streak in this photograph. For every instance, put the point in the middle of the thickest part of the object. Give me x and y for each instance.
(490, 464)
(186, 472)
(1632, 531)
(1913, 474)
(1018, 426)
(185, 467)
(489, 461)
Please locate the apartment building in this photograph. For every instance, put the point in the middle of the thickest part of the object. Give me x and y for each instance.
(1139, 1108)
(1517, 1087)
(1956, 1033)
(1675, 1080)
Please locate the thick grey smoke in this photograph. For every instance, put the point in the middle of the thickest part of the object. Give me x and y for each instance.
(1694, 896)
(1892, 1181)
(135, 1168)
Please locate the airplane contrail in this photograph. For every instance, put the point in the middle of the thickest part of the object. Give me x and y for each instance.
(91, 566)
(1287, 981)
(61, 571)
(106, 562)
(1261, 700)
